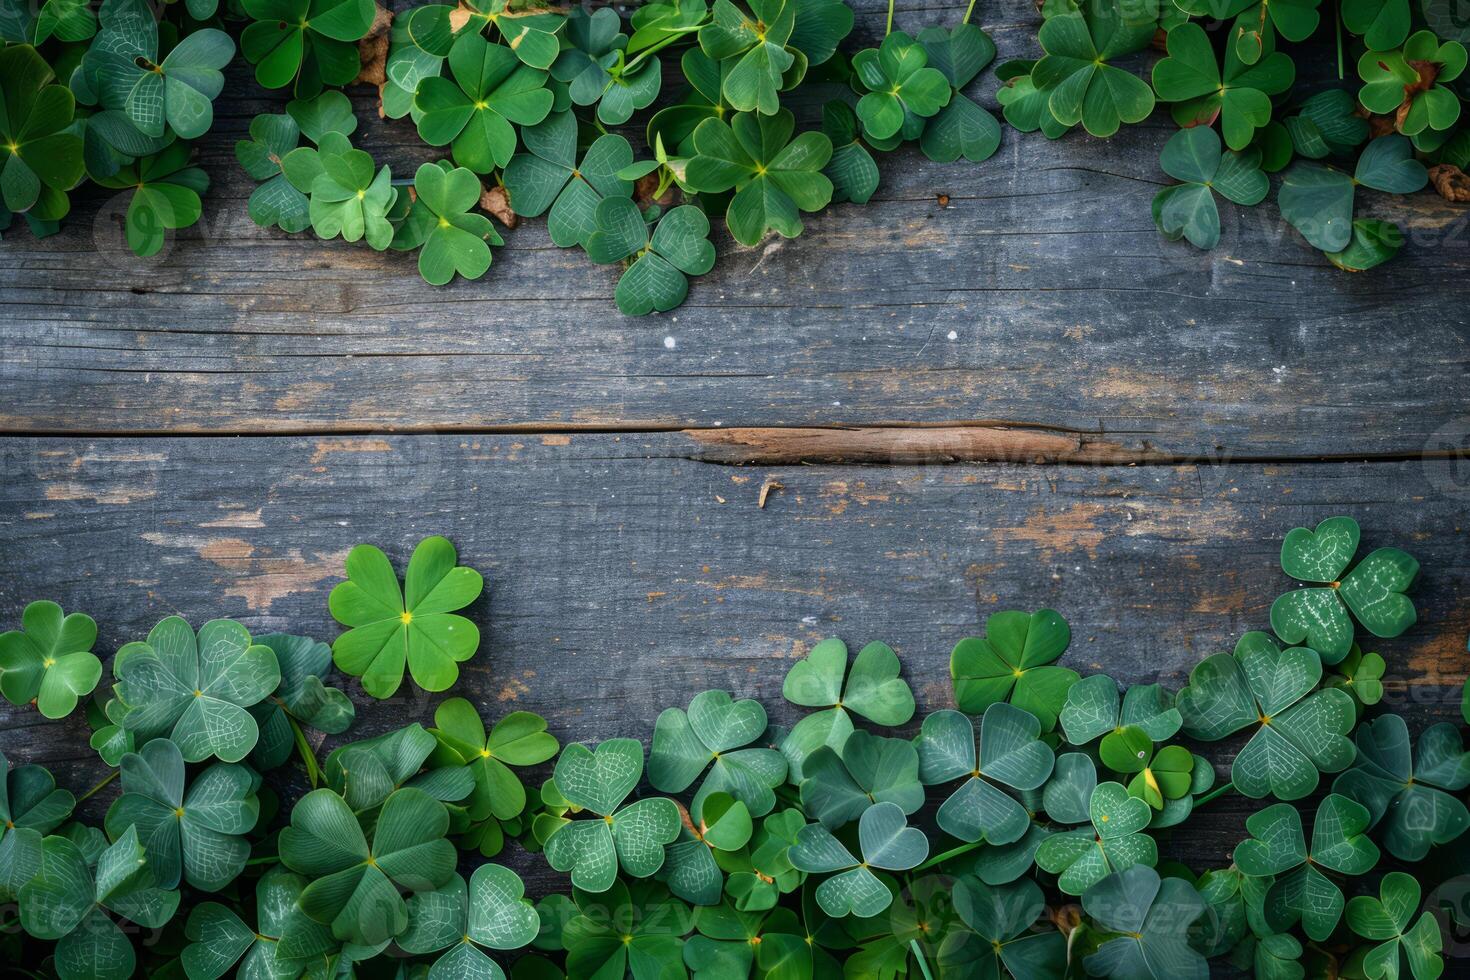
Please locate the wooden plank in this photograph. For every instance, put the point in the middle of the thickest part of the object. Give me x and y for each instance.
(1039, 294)
(624, 576)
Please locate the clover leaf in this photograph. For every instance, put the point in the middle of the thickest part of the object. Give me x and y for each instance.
(627, 929)
(1085, 86)
(718, 826)
(1383, 24)
(716, 729)
(365, 773)
(770, 873)
(307, 44)
(166, 194)
(1408, 794)
(1300, 733)
(491, 912)
(885, 841)
(1159, 774)
(349, 200)
(1372, 590)
(178, 91)
(1002, 915)
(1093, 709)
(326, 112)
(1408, 83)
(195, 834)
(1083, 857)
(756, 46)
(1024, 104)
(1360, 675)
(1189, 210)
(1257, 22)
(195, 689)
(450, 238)
(1302, 889)
(1385, 920)
(1010, 753)
(355, 884)
(728, 941)
(548, 175)
(518, 739)
(1240, 97)
(69, 902)
(1318, 202)
(774, 176)
(595, 41)
(301, 700)
(219, 939)
(1013, 662)
(40, 159)
(837, 786)
(657, 278)
(1153, 916)
(898, 83)
(389, 624)
(275, 202)
(633, 836)
(50, 662)
(961, 128)
(852, 170)
(31, 806)
(491, 89)
(1374, 242)
(1235, 900)
(872, 689)
(1327, 125)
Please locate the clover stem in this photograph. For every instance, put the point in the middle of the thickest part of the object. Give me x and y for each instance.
(657, 46)
(1337, 15)
(307, 756)
(105, 780)
(968, 11)
(1213, 794)
(952, 853)
(919, 955)
(889, 29)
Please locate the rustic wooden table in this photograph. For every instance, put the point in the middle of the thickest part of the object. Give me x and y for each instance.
(1021, 397)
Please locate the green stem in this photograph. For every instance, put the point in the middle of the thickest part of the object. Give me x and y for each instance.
(1215, 793)
(968, 11)
(889, 29)
(307, 756)
(93, 791)
(952, 853)
(1337, 13)
(656, 47)
(267, 859)
(919, 955)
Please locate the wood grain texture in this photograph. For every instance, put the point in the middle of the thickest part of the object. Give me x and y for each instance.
(1039, 294)
(624, 576)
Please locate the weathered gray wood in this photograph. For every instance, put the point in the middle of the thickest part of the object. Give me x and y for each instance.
(624, 576)
(1040, 294)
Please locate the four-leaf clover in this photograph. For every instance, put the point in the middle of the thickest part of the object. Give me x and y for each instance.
(899, 84)
(548, 175)
(40, 158)
(472, 114)
(1083, 857)
(518, 739)
(1085, 87)
(1013, 662)
(51, 662)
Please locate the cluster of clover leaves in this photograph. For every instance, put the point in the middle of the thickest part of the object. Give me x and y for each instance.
(1014, 835)
(524, 99)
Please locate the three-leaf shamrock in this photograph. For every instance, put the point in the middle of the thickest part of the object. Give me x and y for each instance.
(388, 624)
(719, 826)
(219, 939)
(195, 834)
(1014, 661)
(837, 786)
(1152, 918)
(872, 689)
(729, 941)
(1300, 732)
(1372, 590)
(899, 84)
(1385, 920)
(1302, 890)
(1011, 753)
(276, 201)
(774, 176)
(677, 248)
(716, 729)
(40, 158)
(633, 836)
(491, 89)
(50, 662)
(31, 806)
(1189, 210)
(1361, 675)
(1085, 86)
(1094, 709)
(755, 44)
(366, 772)
(1409, 794)
(518, 739)
(195, 689)
(450, 238)
(630, 928)
(1240, 97)
(491, 912)
(548, 175)
(1085, 856)
(165, 196)
(355, 886)
(1318, 202)
(885, 841)
(313, 42)
(1003, 916)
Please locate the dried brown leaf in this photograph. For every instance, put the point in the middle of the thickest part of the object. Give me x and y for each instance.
(1452, 183)
(495, 202)
(372, 51)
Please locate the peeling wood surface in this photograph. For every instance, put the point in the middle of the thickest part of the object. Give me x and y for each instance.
(1040, 294)
(624, 576)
